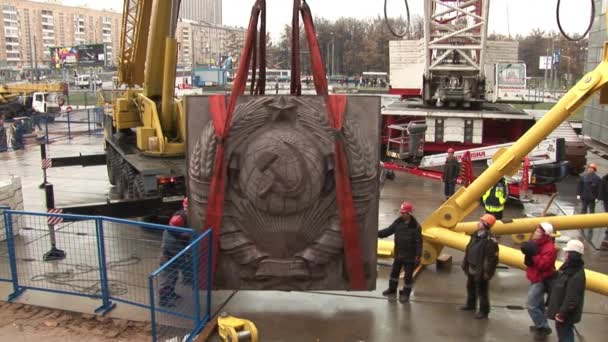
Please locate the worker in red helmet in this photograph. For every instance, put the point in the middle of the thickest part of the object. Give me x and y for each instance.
(173, 241)
(408, 249)
(451, 171)
(588, 189)
(479, 264)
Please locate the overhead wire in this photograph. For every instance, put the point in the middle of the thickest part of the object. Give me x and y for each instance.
(561, 29)
(388, 23)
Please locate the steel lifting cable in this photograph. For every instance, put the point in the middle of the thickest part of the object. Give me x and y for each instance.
(388, 24)
(561, 29)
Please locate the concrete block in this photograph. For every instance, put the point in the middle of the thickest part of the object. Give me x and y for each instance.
(11, 195)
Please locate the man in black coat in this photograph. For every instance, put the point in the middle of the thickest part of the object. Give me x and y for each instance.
(451, 171)
(604, 197)
(479, 264)
(408, 248)
(568, 294)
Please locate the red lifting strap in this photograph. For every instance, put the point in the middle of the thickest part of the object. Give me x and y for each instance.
(221, 117)
(319, 76)
(336, 108)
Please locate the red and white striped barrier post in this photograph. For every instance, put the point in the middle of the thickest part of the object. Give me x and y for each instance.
(45, 163)
(54, 253)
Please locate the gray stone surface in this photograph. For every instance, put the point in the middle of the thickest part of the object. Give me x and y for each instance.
(280, 226)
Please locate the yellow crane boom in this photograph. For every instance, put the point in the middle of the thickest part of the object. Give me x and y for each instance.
(148, 58)
(10, 91)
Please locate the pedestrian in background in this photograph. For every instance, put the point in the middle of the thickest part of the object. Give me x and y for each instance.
(603, 193)
(451, 171)
(479, 264)
(540, 255)
(3, 140)
(588, 189)
(495, 198)
(568, 293)
(408, 249)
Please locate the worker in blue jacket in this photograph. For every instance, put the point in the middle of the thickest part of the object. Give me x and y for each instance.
(172, 243)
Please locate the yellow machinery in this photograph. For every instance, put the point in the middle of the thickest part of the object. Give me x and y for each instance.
(145, 128)
(148, 59)
(443, 227)
(232, 329)
(9, 92)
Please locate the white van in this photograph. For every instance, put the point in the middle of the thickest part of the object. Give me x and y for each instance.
(83, 81)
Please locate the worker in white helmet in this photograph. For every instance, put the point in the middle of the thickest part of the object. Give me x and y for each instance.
(568, 293)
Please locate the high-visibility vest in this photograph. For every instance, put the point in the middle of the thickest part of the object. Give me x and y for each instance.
(495, 198)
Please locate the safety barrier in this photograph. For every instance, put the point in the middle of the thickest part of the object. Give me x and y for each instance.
(5, 271)
(181, 308)
(113, 261)
(69, 124)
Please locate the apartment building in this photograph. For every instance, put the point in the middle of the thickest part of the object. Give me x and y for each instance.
(28, 29)
(209, 11)
(202, 43)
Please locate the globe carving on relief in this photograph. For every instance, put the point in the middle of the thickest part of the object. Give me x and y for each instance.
(283, 172)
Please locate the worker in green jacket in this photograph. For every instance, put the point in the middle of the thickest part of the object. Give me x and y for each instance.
(495, 198)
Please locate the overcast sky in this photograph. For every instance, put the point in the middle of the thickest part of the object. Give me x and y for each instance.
(514, 16)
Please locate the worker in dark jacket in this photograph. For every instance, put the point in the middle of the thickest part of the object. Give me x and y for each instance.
(603, 193)
(494, 199)
(588, 189)
(3, 141)
(17, 141)
(604, 197)
(408, 248)
(172, 243)
(568, 293)
(540, 255)
(451, 171)
(479, 264)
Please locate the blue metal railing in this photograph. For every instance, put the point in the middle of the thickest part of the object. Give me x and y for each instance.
(121, 267)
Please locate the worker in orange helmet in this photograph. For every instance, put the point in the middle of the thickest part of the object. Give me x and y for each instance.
(408, 249)
(451, 171)
(479, 264)
(173, 241)
(588, 189)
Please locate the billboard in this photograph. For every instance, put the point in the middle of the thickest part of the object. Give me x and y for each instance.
(78, 56)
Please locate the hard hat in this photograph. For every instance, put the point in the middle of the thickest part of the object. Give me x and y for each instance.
(450, 150)
(406, 207)
(593, 166)
(185, 203)
(575, 245)
(547, 227)
(489, 219)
